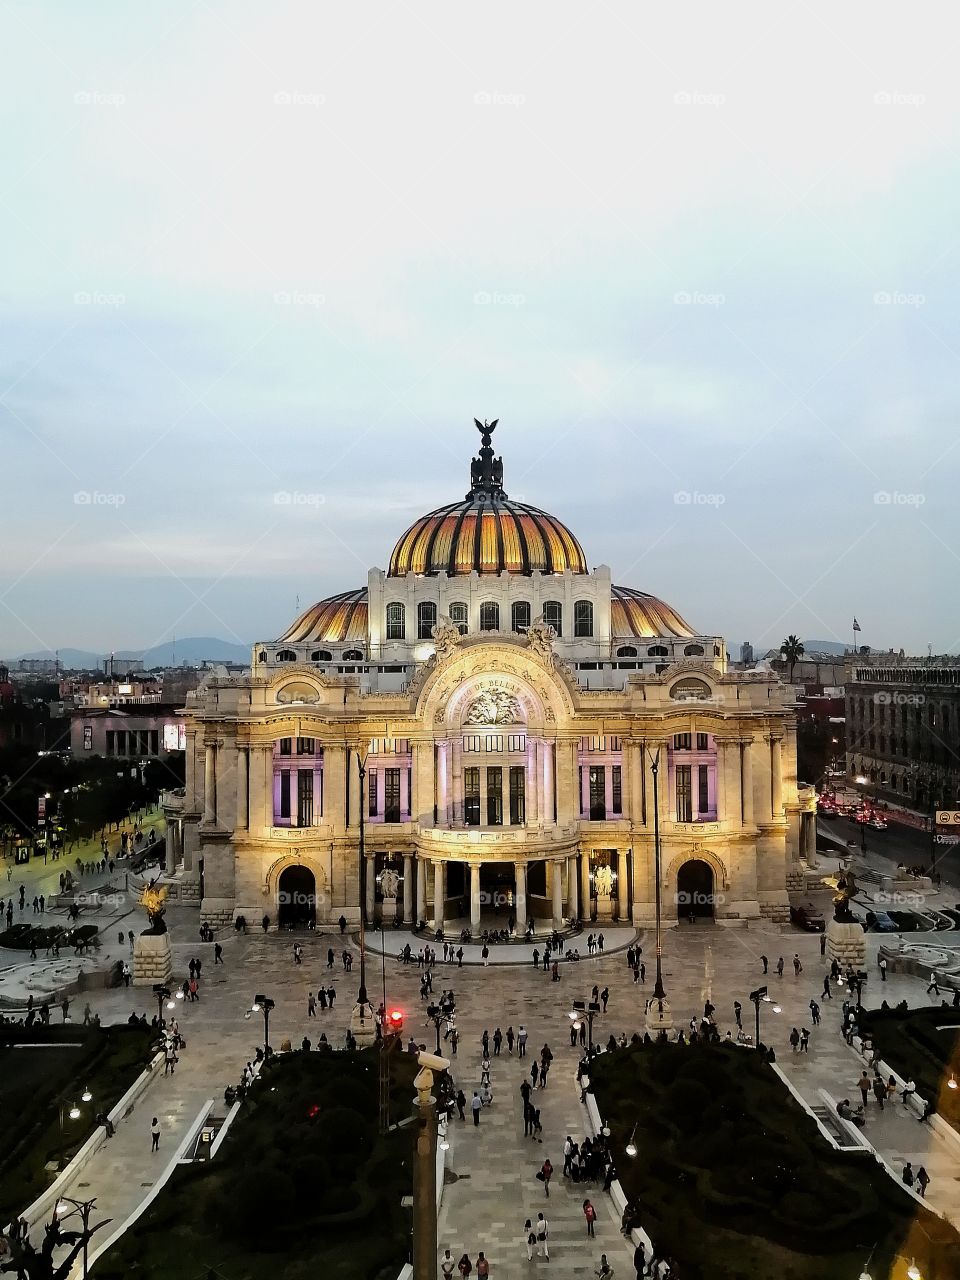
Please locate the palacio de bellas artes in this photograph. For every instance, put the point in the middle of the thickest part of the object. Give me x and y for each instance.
(504, 720)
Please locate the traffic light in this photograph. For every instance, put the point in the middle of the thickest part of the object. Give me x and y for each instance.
(396, 1021)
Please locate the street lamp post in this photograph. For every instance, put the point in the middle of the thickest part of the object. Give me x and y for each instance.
(756, 997)
(425, 1171)
(162, 993)
(362, 1020)
(263, 1004)
(84, 1208)
(659, 1017)
(588, 1011)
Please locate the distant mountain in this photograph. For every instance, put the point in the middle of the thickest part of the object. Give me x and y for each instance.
(191, 650)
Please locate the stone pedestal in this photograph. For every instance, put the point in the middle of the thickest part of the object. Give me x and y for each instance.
(847, 944)
(152, 959)
(659, 1017)
(364, 1030)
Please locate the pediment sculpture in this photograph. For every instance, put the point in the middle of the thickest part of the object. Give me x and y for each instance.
(494, 707)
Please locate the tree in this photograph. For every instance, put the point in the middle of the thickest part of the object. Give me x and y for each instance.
(791, 651)
(31, 1263)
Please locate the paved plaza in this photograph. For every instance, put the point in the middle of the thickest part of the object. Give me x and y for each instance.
(492, 1187)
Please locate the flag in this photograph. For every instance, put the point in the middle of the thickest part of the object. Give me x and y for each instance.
(856, 625)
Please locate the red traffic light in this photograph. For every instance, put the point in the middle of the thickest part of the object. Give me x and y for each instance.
(396, 1019)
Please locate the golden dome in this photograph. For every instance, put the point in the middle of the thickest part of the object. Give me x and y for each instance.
(486, 532)
(634, 614)
(330, 621)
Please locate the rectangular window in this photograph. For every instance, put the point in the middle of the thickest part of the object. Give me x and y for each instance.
(617, 789)
(285, 794)
(471, 797)
(373, 793)
(154, 742)
(494, 741)
(681, 742)
(517, 742)
(702, 740)
(494, 797)
(703, 789)
(304, 797)
(553, 615)
(518, 795)
(391, 795)
(684, 795)
(472, 743)
(87, 737)
(458, 616)
(598, 799)
(489, 616)
(304, 746)
(396, 621)
(583, 619)
(520, 616)
(285, 746)
(579, 788)
(111, 741)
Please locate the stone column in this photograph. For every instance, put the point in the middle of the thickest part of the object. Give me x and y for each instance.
(546, 763)
(439, 892)
(421, 889)
(474, 898)
(532, 780)
(723, 758)
(557, 887)
(371, 883)
(623, 886)
(636, 807)
(170, 849)
(520, 895)
(334, 781)
(747, 781)
(408, 889)
(568, 807)
(585, 900)
(456, 783)
(243, 789)
(210, 784)
(573, 895)
(776, 777)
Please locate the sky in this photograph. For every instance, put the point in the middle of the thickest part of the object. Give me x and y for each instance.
(264, 264)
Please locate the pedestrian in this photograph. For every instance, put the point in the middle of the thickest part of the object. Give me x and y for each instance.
(863, 1084)
(461, 1101)
(923, 1181)
(879, 1091)
(933, 985)
(536, 958)
(447, 1265)
(764, 962)
(192, 967)
(483, 1266)
(522, 1041)
(545, 1174)
(330, 957)
(331, 995)
(738, 1014)
(907, 1174)
(194, 990)
(126, 974)
(342, 922)
(804, 1040)
(883, 968)
(534, 1072)
(475, 1105)
(217, 953)
(640, 1259)
(815, 1013)
(497, 1042)
(510, 1040)
(794, 1039)
(605, 1271)
(826, 993)
(265, 923)
(485, 1043)
(311, 1005)
(154, 1135)
(823, 943)
(460, 957)
(464, 1266)
(531, 1239)
(485, 956)
(543, 1232)
(590, 1213)
(65, 1007)
(169, 1058)
(797, 966)
(604, 997)
(780, 967)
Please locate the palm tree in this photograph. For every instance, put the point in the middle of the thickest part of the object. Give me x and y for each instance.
(791, 651)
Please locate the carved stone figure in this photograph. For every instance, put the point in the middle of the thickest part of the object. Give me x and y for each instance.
(603, 879)
(540, 638)
(152, 900)
(389, 883)
(446, 636)
(846, 888)
(494, 707)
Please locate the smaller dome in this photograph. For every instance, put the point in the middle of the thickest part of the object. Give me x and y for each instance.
(636, 614)
(330, 621)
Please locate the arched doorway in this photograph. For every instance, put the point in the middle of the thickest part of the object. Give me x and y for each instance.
(695, 891)
(297, 898)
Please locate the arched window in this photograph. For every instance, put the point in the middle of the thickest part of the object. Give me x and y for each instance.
(489, 616)
(553, 615)
(286, 655)
(426, 619)
(583, 619)
(321, 655)
(459, 616)
(396, 621)
(520, 616)
(657, 651)
(354, 655)
(626, 651)
(693, 650)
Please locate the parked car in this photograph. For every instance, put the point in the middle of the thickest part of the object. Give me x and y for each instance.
(807, 917)
(878, 823)
(880, 921)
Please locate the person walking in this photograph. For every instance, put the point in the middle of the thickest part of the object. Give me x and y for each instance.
(764, 962)
(510, 1040)
(780, 967)
(311, 1005)
(522, 1041)
(217, 953)
(826, 993)
(546, 1173)
(879, 1091)
(933, 985)
(640, 1260)
(907, 1175)
(543, 1232)
(465, 1266)
(154, 1135)
(590, 1213)
(475, 1105)
(448, 1265)
(483, 1267)
(815, 1013)
(534, 1073)
(738, 1014)
(461, 1101)
(531, 1236)
(923, 1181)
(863, 1084)
(794, 1039)
(823, 943)
(882, 964)
(497, 1042)
(485, 1043)
(604, 1271)
(797, 966)
(804, 1040)
(65, 1008)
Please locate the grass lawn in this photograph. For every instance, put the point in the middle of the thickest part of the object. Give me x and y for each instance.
(33, 1081)
(734, 1180)
(910, 1042)
(303, 1186)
